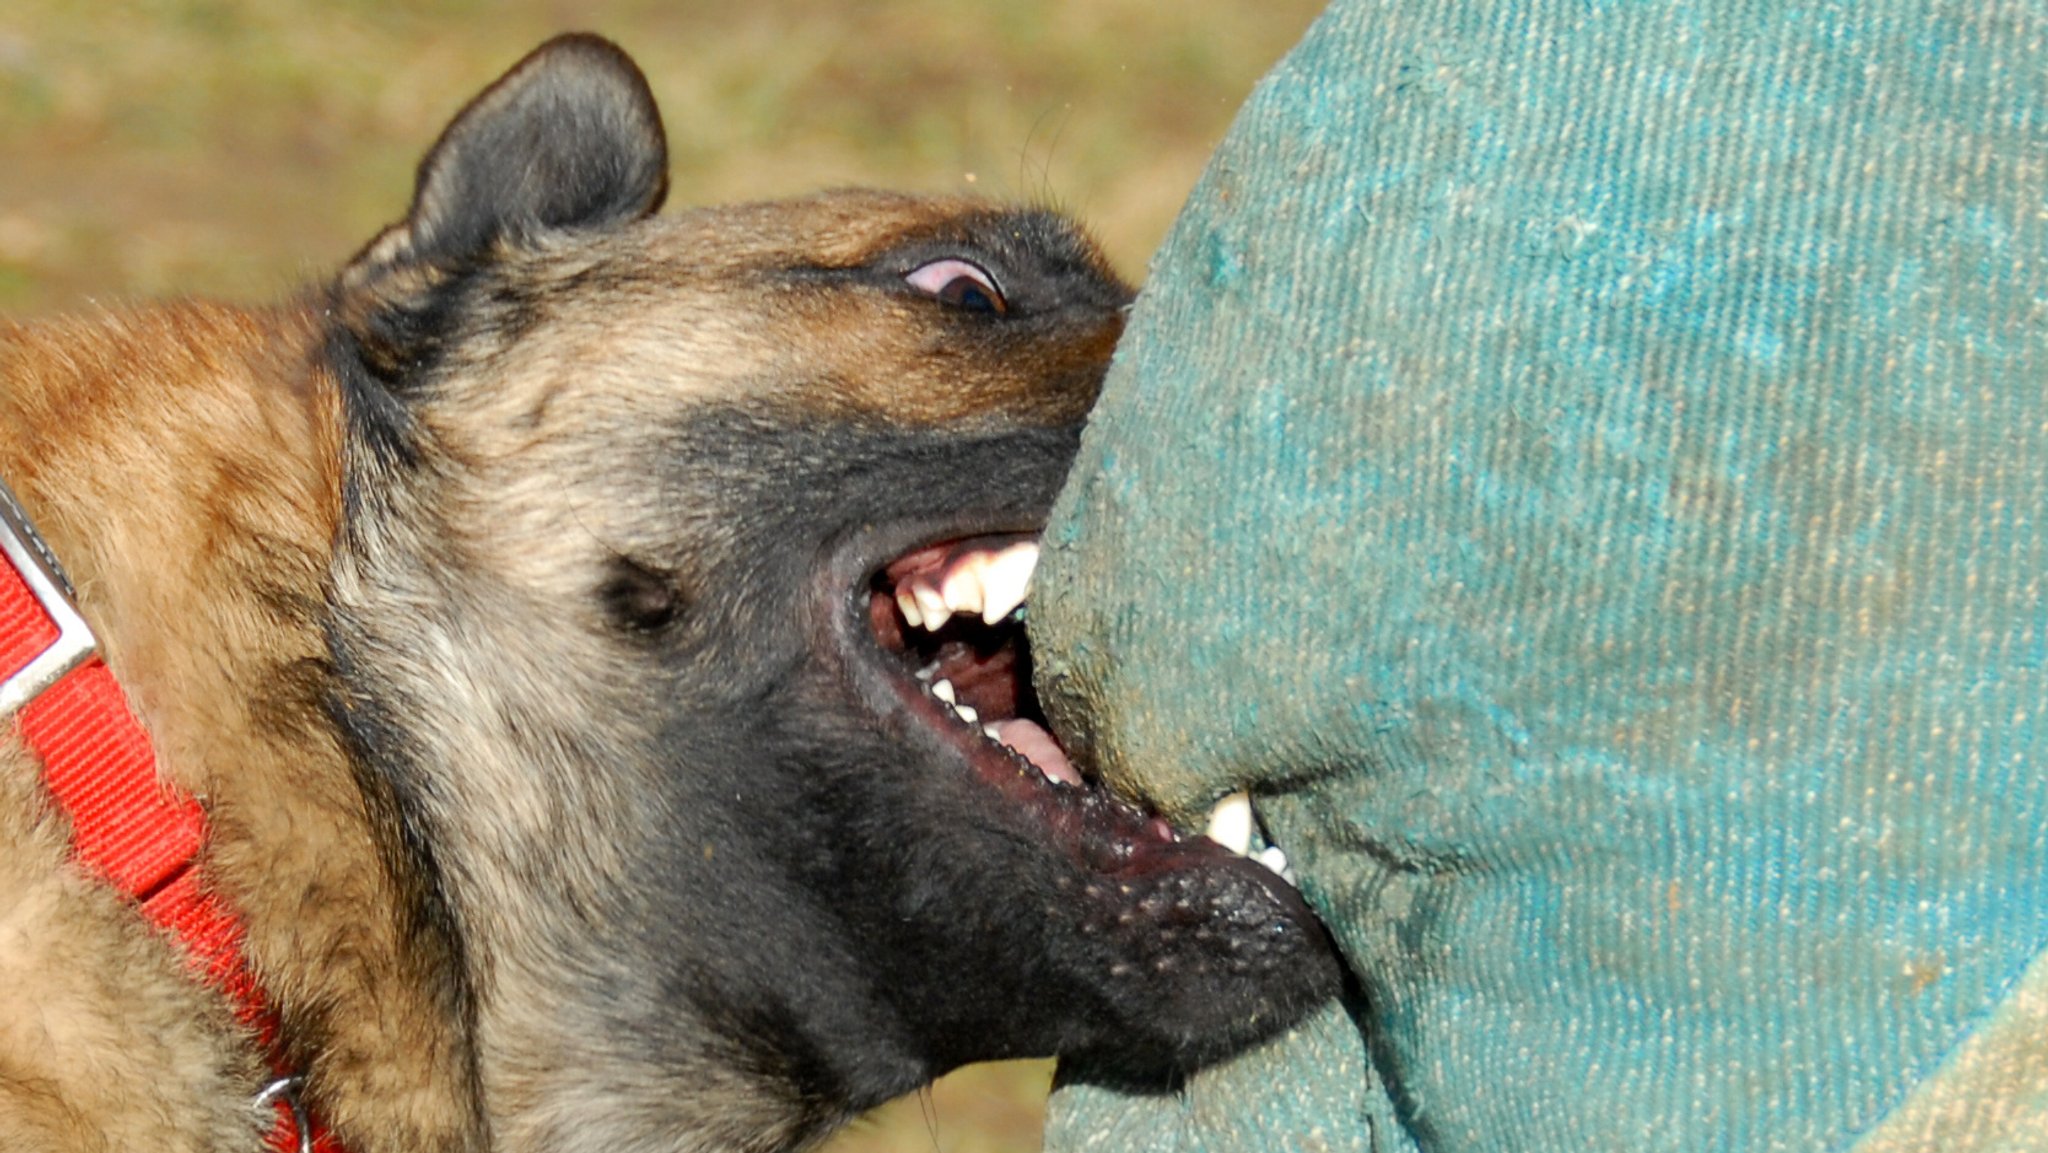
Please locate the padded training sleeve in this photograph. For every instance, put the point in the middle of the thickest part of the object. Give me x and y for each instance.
(1585, 465)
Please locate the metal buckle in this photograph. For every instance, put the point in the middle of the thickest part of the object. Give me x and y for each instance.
(39, 570)
(287, 1090)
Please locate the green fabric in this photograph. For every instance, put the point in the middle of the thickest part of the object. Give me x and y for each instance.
(1581, 465)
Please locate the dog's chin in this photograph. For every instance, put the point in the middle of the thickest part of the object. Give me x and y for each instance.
(1179, 950)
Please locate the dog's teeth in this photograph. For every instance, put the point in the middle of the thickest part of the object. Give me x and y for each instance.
(962, 588)
(1273, 858)
(907, 604)
(1006, 580)
(932, 606)
(943, 690)
(991, 732)
(1230, 823)
(966, 713)
(926, 673)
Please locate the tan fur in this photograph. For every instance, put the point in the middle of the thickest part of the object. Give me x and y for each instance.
(107, 1043)
(192, 500)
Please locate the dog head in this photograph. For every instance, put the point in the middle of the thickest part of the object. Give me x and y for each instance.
(634, 627)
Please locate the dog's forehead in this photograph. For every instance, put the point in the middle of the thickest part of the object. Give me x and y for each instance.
(772, 300)
(782, 244)
(851, 228)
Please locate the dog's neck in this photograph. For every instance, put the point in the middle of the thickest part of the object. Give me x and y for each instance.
(184, 464)
(182, 488)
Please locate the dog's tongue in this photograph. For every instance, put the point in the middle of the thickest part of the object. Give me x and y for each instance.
(1036, 745)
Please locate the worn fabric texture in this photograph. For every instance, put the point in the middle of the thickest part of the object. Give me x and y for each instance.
(1582, 466)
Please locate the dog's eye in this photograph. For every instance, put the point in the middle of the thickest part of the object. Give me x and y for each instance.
(959, 284)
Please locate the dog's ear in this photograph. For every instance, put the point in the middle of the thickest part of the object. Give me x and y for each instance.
(568, 140)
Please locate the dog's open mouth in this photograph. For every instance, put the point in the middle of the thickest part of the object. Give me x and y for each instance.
(950, 617)
(1188, 944)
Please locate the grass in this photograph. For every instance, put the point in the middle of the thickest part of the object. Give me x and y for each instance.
(238, 148)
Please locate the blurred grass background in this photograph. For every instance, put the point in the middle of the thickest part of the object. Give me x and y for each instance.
(239, 148)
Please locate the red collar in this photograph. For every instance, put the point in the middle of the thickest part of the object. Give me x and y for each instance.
(141, 836)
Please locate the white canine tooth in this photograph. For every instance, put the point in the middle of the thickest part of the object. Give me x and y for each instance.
(908, 604)
(943, 690)
(931, 605)
(925, 674)
(1006, 580)
(966, 713)
(1230, 823)
(1273, 858)
(991, 732)
(962, 590)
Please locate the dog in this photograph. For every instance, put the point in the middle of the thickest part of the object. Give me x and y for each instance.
(587, 638)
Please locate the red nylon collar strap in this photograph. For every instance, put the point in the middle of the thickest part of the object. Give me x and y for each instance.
(128, 826)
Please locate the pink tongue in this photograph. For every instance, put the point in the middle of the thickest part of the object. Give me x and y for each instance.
(1037, 746)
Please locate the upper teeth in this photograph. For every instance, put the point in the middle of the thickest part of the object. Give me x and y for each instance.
(961, 590)
(1005, 580)
(931, 606)
(984, 583)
